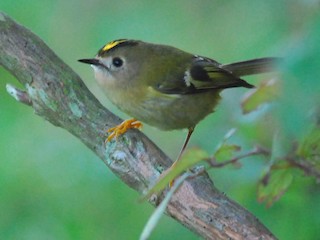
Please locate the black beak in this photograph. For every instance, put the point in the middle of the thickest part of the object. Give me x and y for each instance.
(92, 61)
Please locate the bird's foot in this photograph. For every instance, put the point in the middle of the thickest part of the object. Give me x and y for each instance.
(122, 128)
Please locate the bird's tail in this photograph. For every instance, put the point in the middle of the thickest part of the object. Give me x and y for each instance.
(254, 66)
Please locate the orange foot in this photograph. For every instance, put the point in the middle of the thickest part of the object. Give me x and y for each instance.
(122, 128)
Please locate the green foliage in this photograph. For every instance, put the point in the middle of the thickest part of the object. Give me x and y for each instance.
(226, 151)
(274, 183)
(279, 175)
(309, 149)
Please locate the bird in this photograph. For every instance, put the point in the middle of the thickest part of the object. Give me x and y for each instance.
(164, 86)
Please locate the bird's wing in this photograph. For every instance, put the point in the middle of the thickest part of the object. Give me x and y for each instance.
(203, 75)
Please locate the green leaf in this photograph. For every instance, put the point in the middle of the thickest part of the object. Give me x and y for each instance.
(310, 147)
(308, 153)
(189, 158)
(266, 92)
(226, 152)
(274, 184)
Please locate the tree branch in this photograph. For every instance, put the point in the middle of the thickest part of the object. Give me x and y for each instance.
(57, 94)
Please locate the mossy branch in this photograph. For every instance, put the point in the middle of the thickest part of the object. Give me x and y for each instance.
(58, 94)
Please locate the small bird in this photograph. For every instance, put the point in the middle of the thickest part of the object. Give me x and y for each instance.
(166, 87)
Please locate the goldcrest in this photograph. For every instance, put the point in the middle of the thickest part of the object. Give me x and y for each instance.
(164, 86)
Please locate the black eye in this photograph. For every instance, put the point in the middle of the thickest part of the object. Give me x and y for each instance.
(117, 62)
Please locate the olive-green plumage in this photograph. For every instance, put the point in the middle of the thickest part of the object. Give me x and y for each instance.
(164, 86)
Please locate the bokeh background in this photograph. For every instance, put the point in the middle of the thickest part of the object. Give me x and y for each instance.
(53, 187)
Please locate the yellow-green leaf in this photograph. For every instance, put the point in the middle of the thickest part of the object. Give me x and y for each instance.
(275, 186)
(310, 146)
(189, 158)
(308, 152)
(226, 152)
(267, 91)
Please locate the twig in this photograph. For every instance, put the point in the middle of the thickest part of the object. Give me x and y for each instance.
(256, 151)
(19, 95)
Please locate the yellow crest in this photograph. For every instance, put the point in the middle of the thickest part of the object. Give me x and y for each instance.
(115, 44)
(112, 44)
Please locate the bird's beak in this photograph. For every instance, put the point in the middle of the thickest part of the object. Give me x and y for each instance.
(92, 61)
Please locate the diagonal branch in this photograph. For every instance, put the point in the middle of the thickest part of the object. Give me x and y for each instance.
(58, 95)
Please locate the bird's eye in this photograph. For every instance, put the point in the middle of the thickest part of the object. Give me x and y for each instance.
(117, 62)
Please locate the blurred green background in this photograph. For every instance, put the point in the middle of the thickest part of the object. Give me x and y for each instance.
(53, 187)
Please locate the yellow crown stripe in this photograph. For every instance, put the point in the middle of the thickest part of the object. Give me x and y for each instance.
(112, 44)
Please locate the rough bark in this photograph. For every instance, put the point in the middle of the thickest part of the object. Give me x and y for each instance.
(58, 94)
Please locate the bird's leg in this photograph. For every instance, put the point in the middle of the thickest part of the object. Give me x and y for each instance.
(122, 128)
(190, 131)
